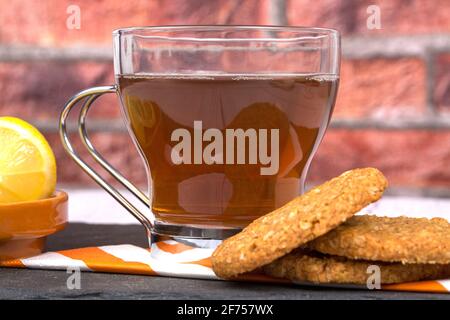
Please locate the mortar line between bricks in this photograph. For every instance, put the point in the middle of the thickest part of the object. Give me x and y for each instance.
(277, 12)
(394, 191)
(430, 83)
(423, 192)
(353, 47)
(364, 47)
(426, 123)
(429, 123)
(92, 125)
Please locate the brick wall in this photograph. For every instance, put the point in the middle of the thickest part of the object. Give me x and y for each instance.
(393, 107)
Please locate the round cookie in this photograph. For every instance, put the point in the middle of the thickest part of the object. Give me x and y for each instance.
(401, 239)
(299, 221)
(319, 268)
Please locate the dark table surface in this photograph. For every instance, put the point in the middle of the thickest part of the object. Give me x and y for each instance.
(45, 284)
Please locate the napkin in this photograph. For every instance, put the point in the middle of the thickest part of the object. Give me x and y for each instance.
(172, 259)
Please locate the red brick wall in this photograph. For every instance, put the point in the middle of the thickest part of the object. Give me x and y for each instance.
(393, 107)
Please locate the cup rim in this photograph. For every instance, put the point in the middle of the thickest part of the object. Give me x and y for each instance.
(300, 29)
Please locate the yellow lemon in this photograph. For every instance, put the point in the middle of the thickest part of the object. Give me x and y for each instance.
(27, 163)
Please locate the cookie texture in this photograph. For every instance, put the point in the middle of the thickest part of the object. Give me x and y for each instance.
(299, 221)
(402, 239)
(319, 268)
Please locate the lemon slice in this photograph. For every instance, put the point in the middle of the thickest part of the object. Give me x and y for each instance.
(27, 163)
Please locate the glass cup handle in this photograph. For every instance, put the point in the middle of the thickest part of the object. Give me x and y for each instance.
(92, 94)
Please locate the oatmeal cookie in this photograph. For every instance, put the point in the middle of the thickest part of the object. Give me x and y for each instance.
(400, 239)
(318, 268)
(299, 221)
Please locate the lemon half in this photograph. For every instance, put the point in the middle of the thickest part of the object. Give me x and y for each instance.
(27, 163)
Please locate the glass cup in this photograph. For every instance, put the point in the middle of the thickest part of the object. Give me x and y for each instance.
(226, 118)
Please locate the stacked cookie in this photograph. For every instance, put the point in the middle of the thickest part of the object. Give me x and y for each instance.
(317, 238)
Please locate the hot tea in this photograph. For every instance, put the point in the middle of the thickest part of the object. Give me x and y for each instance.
(223, 150)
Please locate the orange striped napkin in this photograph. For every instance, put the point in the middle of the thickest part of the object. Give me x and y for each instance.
(168, 258)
